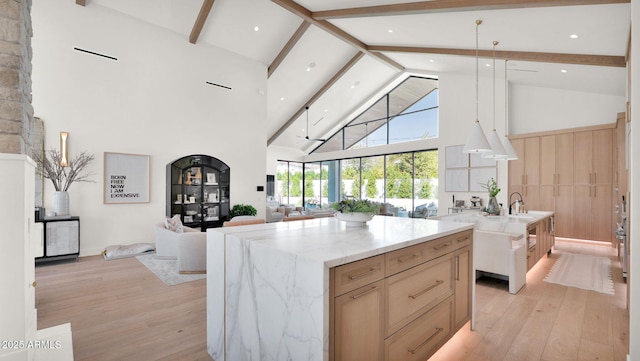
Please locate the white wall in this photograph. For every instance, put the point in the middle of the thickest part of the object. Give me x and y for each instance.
(535, 109)
(152, 101)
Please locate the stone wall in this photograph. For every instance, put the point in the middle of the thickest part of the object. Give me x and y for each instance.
(16, 111)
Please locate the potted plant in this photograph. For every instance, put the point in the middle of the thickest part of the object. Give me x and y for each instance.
(49, 166)
(243, 210)
(356, 212)
(492, 187)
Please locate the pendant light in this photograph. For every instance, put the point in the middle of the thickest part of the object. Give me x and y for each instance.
(497, 150)
(477, 141)
(511, 153)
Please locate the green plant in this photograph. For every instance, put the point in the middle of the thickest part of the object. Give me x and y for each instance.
(243, 210)
(352, 205)
(492, 187)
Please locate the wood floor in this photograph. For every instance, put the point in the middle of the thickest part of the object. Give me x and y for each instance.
(119, 310)
(545, 321)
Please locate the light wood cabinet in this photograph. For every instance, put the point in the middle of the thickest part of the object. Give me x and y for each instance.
(402, 305)
(556, 180)
(593, 192)
(524, 173)
(462, 283)
(575, 180)
(363, 307)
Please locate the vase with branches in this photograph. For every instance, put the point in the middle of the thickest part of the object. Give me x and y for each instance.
(49, 166)
(62, 177)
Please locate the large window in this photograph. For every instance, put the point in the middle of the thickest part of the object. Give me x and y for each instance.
(407, 113)
(407, 182)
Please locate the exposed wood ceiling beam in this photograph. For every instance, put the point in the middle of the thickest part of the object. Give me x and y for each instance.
(437, 6)
(200, 20)
(287, 48)
(305, 14)
(81, 2)
(579, 59)
(316, 96)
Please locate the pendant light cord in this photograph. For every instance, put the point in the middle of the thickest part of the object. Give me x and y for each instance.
(478, 22)
(506, 102)
(494, 85)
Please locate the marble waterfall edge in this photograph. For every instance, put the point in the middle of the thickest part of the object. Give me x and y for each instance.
(271, 301)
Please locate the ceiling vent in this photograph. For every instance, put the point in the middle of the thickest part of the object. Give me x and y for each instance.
(96, 54)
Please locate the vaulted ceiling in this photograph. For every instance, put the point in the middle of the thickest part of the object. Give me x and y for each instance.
(333, 55)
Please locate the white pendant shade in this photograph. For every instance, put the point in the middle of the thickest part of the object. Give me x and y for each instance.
(477, 141)
(511, 153)
(497, 150)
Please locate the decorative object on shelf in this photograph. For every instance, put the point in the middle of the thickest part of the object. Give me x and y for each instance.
(477, 141)
(492, 187)
(211, 179)
(243, 210)
(49, 165)
(356, 212)
(497, 150)
(508, 147)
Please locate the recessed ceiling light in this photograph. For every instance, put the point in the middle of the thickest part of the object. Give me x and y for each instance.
(487, 65)
(390, 31)
(256, 28)
(573, 36)
(432, 61)
(281, 98)
(311, 66)
(563, 71)
(355, 84)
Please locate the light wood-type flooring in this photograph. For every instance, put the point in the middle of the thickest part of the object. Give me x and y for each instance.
(119, 310)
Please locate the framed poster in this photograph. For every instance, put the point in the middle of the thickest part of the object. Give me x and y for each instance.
(457, 180)
(126, 178)
(479, 177)
(455, 158)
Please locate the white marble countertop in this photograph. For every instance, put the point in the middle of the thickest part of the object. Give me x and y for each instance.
(506, 223)
(330, 241)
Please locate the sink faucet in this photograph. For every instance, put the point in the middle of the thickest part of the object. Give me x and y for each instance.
(511, 203)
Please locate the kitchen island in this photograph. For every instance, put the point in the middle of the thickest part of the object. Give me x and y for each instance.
(303, 290)
(509, 245)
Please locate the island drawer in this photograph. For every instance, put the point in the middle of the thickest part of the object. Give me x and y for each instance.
(410, 293)
(405, 258)
(422, 337)
(353, 275)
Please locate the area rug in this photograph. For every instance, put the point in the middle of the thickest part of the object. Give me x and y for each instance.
(582, 271)
(167, 270)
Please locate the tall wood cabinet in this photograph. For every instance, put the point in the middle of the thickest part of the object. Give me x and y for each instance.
(556, 180)
(593, 207)
(524, 173)
(570, 173)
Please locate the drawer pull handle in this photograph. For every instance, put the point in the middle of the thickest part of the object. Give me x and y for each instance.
(437, 248)
(359, 275)
(407, 258)
(415, 349)
(462, 239)
(438, 283)
(363, 293)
